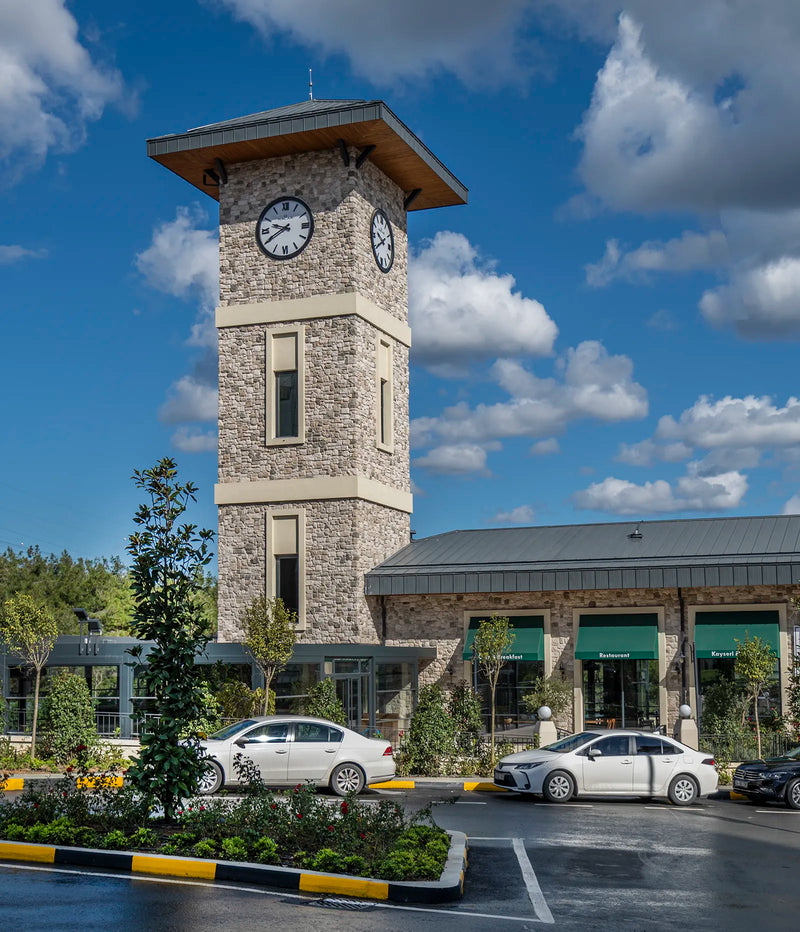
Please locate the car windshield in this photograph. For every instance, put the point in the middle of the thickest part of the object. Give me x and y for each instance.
(794, 754)
(229, 730)
(571, 743)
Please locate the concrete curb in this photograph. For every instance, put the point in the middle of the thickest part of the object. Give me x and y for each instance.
(444, 783)
(449, 887)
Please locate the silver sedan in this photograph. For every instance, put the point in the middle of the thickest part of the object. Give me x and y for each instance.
(292, 749)
(610, 763)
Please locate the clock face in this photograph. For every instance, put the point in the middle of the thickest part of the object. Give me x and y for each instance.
(284, 228)
(382, 240)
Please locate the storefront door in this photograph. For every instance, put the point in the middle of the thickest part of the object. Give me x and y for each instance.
(620, 694)
(352, 688)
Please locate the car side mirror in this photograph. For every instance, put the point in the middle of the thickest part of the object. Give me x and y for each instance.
(594, 752)
(241, 742)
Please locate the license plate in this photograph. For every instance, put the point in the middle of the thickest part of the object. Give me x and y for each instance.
(738, 781)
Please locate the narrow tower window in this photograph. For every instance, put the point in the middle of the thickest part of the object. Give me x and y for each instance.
(285, 386)
(383, 401)
(285, 560)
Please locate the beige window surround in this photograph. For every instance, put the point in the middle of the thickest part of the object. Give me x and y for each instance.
(285, 536)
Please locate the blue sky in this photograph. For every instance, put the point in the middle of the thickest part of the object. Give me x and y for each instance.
(607, 331)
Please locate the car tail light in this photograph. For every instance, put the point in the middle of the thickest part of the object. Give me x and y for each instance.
(709, 760)
(388, 752)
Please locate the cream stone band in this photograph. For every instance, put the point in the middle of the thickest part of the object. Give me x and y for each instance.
(324, 305)
(269, 491)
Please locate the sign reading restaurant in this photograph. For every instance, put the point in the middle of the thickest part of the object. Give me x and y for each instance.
(607, 655)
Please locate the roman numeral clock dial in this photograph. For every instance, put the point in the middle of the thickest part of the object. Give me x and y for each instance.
(284, 228)
(382, 240)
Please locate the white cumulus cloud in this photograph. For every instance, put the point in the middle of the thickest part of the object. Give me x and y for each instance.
(50, 87)
(455, 459)
(689, 493)
(461, 310)
(183, 260)
(522, 514)
(478, 42)
(190, 440)
(11, 254)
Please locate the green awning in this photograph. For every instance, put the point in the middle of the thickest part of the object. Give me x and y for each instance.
(716, 633)
(528, 637)
(618, 637)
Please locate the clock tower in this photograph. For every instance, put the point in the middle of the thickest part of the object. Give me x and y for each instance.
(314, 487)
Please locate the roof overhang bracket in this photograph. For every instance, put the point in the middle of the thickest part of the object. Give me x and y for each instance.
(363, 155)
(411, 197)
(343, 150)
(214, 177)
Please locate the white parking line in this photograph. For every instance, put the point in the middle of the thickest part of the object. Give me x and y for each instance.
(780, 811)
(280, 894)
(535, 894)
(463, 802)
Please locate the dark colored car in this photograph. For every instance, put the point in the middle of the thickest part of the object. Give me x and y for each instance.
(776, 779)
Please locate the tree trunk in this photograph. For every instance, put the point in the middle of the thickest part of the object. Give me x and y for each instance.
(35, 712)
(491, 741)
(267, 681)
(758, 727)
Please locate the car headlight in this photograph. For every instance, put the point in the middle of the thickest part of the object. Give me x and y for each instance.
(537, 763)
(778, 774)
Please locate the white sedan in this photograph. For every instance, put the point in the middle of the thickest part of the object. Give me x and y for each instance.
(610, 763)
(292, 749)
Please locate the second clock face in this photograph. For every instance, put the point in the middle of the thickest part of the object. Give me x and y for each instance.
(284, 228)
(382, 240)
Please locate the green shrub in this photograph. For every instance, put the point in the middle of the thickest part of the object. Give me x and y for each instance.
(234, 849)
(266, 851)
(431, 742)
(143, 838)
(326, 859)
(67, 717)
(115, 839)
(464, 709)
(323, 702)
(205, 848)
(236, 700)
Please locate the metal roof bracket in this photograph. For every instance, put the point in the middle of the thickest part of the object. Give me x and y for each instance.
(365, 153)
(411, 197)
(343, 150)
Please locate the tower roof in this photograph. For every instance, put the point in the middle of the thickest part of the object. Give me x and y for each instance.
(313, 125)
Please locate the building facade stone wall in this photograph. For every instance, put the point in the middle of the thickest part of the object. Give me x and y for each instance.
(344, 538)
(439, 621)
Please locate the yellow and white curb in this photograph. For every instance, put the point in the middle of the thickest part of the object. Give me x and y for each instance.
(450, 885)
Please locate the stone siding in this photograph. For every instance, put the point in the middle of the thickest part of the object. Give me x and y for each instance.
(339, 256)
(438, 621)
(340, 397)
(344, 538)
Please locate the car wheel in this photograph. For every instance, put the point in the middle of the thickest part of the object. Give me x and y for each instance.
(683, 790)
(211, 780)
(347, 778)
(558, 787)
(793, 794)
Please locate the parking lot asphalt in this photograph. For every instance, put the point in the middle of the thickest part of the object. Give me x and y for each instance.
(590, 864)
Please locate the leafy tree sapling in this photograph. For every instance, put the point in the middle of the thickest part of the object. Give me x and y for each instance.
(166, 576)
(269, 636)
(755, 666)
(27, 628)
(492, 641)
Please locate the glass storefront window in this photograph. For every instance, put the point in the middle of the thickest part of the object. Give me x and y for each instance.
(292, 685)
(394, 694)
(516, 679)
(621, 693)
(714, 671)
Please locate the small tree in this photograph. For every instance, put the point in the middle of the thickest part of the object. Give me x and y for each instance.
(755, 665)
(464, 710)
(28, 629)
(492, 640)
(323, 702)
(68, 718)
(167, 572)
(269, 636)
(552, 691)
(431, 735)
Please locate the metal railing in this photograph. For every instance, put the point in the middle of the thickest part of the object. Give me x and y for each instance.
(744, 747)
